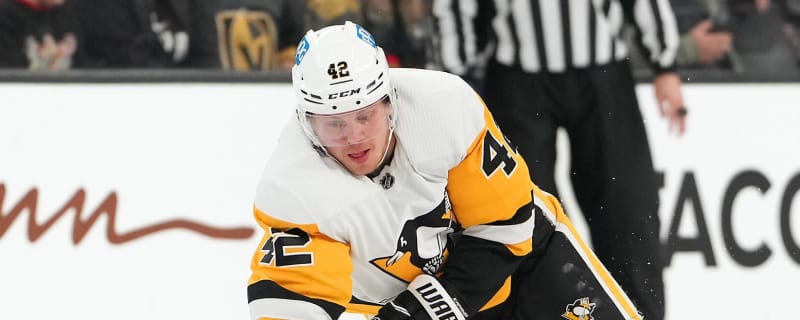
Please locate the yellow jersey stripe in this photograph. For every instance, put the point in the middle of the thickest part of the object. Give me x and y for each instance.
(553, 208)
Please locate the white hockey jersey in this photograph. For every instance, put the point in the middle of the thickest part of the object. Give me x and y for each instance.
(334, 242)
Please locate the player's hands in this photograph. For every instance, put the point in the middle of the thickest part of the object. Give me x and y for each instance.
(425, 299)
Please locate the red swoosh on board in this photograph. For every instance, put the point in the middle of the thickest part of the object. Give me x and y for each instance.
(109, 208)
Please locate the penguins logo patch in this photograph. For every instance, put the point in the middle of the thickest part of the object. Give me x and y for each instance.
(422, 245)
(581, 309)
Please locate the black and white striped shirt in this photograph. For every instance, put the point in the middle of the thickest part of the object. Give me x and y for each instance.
(553, 35)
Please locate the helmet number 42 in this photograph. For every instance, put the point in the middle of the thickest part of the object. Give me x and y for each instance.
(338, 70)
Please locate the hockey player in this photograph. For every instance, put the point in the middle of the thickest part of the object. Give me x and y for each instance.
(394, 195)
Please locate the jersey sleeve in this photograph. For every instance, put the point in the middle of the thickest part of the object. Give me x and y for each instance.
(463, 29)
(490, 193)
(658, 31)
(298, 272)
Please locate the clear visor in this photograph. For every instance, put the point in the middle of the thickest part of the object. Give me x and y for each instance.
(354, 127)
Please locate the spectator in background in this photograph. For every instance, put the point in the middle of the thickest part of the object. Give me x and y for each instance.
(312, 14)
(792, 28)
(702, 43)
(745, 36)
(402, 28)
(39, 35)
(382, 17)
(760, 39)
(135, 33)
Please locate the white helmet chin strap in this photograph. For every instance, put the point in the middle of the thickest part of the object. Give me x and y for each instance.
(382, 163)
(386, 151)
(388, 141)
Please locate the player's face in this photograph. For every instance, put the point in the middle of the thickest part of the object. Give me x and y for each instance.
(357, 139)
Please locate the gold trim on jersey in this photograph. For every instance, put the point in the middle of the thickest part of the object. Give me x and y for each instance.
(554, 207)
(500, 296)
(612, 285)
(267, 221)
(480, 197)
(302, 260)
(492, 184)
(522, 248)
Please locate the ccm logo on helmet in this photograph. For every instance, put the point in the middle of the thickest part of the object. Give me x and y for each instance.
(343, 94)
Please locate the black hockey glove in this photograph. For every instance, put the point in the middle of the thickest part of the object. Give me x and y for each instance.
(425, 299)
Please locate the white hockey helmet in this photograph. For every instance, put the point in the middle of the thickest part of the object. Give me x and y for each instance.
(338, 69)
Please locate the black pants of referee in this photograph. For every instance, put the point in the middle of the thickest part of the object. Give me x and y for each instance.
(611, 167)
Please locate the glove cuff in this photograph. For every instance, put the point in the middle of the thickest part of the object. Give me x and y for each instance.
(435, 299)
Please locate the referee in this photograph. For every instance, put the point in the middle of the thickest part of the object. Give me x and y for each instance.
(563, 63)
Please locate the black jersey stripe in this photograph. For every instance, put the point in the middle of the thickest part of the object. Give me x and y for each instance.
(270, 289)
